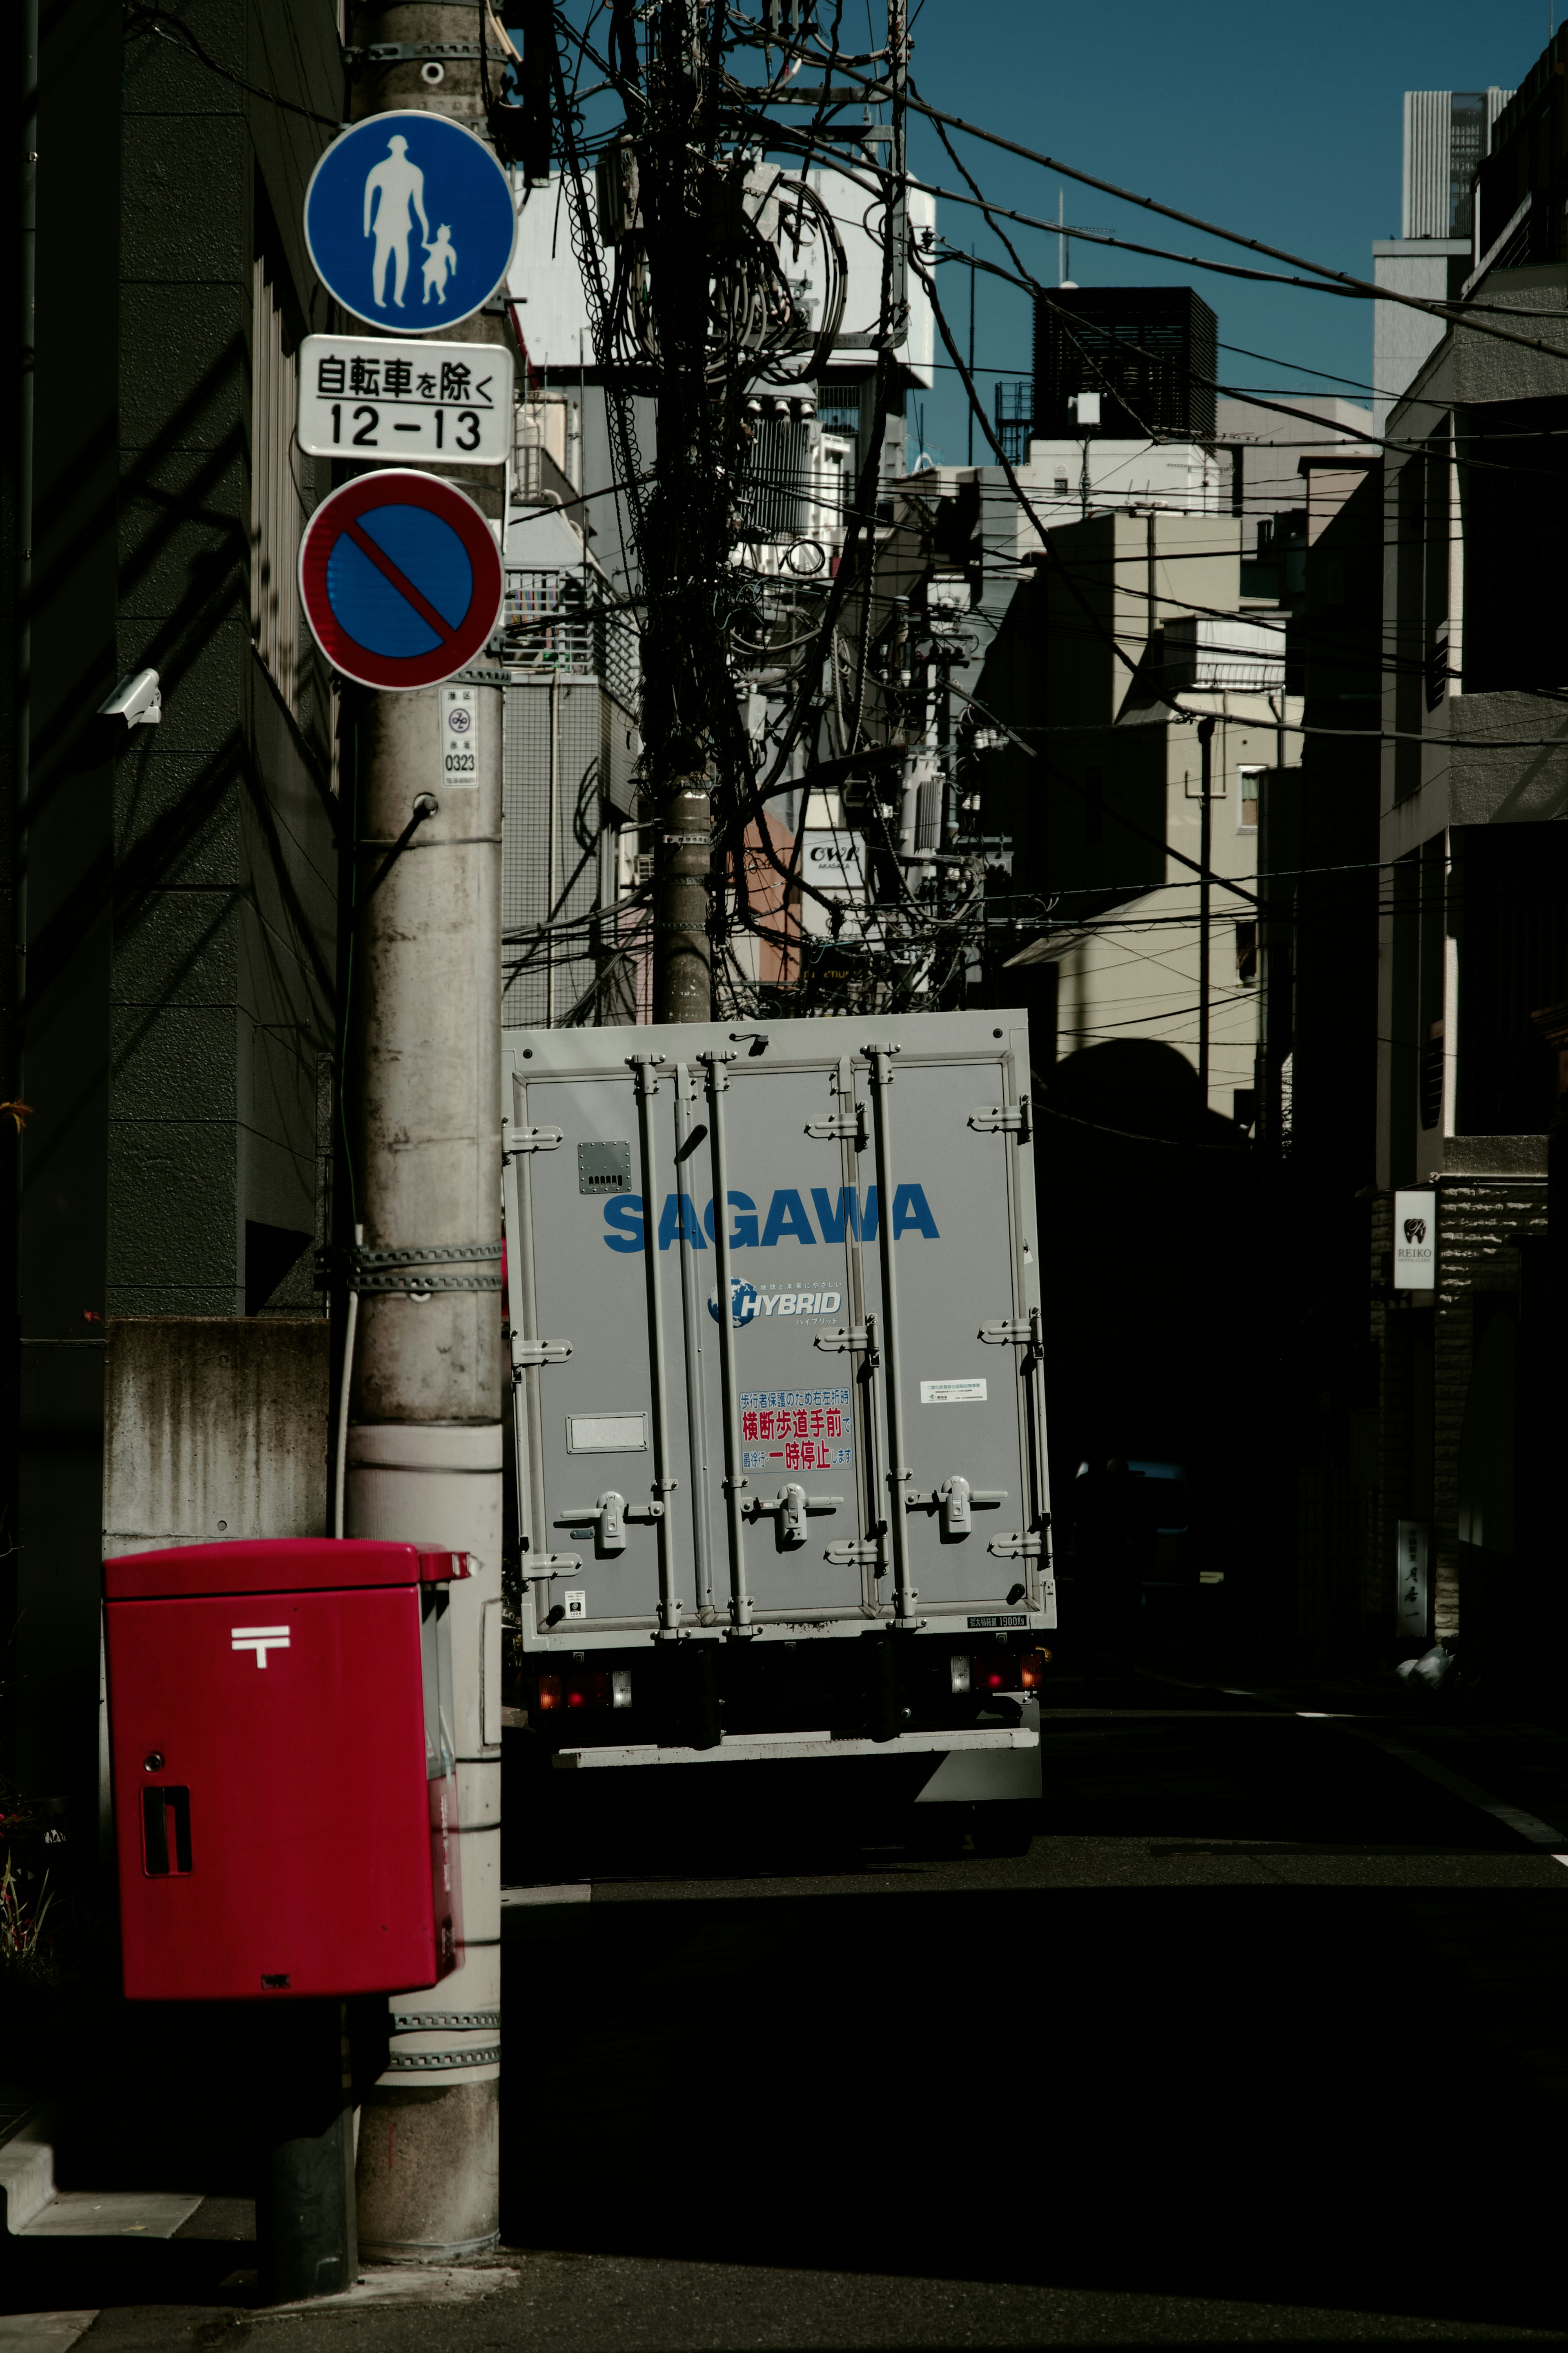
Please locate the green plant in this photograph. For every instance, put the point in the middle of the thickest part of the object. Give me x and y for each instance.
(23, 1952)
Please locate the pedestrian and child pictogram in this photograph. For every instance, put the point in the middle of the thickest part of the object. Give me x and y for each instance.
(400, 578)
(409, 221)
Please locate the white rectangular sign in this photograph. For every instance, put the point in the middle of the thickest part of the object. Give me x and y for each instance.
(401, 397)
(1416, 1242)
(833, 862)
(1410, 1603)
(459, 764)
(952, 1393)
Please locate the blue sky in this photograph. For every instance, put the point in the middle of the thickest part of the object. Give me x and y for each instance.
(1284, 123)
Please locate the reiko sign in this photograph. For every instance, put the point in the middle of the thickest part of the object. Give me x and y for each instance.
(1416, 1242)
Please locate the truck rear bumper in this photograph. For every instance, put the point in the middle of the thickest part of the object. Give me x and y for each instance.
(778, 1748)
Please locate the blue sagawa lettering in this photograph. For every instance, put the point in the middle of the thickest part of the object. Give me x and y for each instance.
(787, 1216)
(744, 1234)
(623, 1214)
(832, 1221)
(788, 1219)
(679, 1216)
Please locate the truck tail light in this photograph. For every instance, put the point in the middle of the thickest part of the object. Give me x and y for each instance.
(584, 1687)
(1002, 1671)
(959, 1666)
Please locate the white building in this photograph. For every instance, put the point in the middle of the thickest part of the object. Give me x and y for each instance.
(1446, 132)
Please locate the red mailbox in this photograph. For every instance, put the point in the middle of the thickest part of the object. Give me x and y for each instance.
(280, 1743)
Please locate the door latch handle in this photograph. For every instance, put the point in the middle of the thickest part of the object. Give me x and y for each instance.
(788, 1510)
(955, 1500)
(610, 1515)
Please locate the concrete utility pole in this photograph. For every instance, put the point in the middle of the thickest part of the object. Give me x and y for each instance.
(687, 541)
(422, 1100)
(1206, 841)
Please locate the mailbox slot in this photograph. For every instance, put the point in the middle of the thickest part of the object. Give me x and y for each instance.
(166, 1831)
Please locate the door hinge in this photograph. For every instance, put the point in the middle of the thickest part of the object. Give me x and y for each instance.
(528, 1139)
(538, 1352)
(836, 1343)
(843, 1123)
(999, 1335)
(1024, 1548)
(852, 1556)
(1004, 1119)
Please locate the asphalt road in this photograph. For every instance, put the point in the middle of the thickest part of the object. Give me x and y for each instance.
(1261, 2043)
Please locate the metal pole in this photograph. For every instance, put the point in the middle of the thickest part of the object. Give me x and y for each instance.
(898, 1471)
(696, 1414)
(683, 949)
(550, 859)
(424, 1438)
(22, 589)
(1205, 902)
(734, 1483)
(688, 540)
(345, 1385)
(972, 275)
(305, 2233)
(644, 1068)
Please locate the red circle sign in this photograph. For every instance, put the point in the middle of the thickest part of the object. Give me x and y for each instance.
(400, 577)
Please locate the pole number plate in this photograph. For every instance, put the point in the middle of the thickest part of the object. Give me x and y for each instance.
(459, 738)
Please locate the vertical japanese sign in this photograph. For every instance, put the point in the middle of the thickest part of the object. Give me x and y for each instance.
(1411, 1601)
(1416, 1242)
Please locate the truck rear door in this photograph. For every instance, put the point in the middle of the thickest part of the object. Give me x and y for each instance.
(818, 1410)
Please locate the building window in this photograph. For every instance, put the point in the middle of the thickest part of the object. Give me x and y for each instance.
(1434, 1071)
(1248, 792)
(277, 506)
(1246, 954)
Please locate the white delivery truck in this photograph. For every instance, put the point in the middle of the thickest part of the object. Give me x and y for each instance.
(783, 1519)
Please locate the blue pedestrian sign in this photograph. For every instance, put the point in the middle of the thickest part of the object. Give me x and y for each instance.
(400, 577)
(409, 222)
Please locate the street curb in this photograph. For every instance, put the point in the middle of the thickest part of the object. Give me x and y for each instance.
(27, 2156)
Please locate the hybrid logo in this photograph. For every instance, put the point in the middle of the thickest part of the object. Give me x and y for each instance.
(743, 1302)
(260, 1639)
(749, 1306)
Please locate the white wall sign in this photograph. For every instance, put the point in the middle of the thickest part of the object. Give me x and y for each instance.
(833, 862)
(1416, 1242)
(952, 1392)
(418, 403)
(459, 763)
(1410, 1602)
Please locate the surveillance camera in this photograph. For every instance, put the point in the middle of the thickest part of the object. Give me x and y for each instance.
(136, 699)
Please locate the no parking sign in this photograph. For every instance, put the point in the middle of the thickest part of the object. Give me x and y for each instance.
(400, 578)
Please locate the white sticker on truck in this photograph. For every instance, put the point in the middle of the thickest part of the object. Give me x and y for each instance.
(952, 1393)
